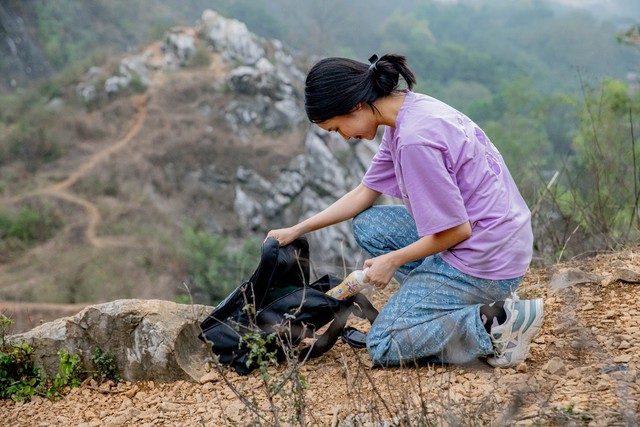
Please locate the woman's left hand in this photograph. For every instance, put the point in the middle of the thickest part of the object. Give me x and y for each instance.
(381, 270)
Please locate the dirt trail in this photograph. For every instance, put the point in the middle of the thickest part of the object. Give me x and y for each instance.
(29, 313)
(61, 189)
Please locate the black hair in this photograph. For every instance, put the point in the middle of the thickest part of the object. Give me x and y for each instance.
(335, 86)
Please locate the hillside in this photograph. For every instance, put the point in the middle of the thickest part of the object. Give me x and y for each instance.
(203, 129)
(582, 370)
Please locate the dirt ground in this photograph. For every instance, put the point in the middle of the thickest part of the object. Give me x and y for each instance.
(582, 370)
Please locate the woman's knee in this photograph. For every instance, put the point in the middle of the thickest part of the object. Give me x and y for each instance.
(383, 346)
(363, 229)
(362, 221)
(379, 349)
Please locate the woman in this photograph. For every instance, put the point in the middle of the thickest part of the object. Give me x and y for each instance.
(461, 242)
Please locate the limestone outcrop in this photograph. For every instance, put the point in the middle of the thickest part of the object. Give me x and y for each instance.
(150, 339)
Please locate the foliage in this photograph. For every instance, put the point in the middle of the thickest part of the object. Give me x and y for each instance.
(30, 224)
(215, 269)
(70, 374)
(604, 170)
(570, 410)
(20, 379)
(593, 205)
(106, 367)
(517, 120)
(260, 353)
(201, 57)
(631, 36)
(288, 387)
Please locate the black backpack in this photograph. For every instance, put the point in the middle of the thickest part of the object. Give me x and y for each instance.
(278, 298)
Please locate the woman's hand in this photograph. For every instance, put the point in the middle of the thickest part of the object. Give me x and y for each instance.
(381, 270)
(284, 236)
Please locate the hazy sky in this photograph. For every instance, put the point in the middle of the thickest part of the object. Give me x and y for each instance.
(613, 8)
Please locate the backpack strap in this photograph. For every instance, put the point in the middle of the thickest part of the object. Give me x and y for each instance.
(327, 340)
(362, 308)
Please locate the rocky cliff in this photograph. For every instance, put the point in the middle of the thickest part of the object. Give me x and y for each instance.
(22, 60)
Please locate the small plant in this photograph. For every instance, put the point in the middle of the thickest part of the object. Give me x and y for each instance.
(260, 352)
(20, 379)
(277, 359)
(570, 410)
(70, 374)
(105, 365)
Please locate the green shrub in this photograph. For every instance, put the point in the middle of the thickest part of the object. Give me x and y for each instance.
(214, 268)
(29, 225)
(201, 58)
(32, 144)
(70, 374)
(20, 379)
(137, 85)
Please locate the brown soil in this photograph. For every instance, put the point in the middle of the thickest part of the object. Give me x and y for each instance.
(582, 370)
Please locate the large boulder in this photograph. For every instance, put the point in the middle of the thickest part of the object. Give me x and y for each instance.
(231, 38)
(150, 339)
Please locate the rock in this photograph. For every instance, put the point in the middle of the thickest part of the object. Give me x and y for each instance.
(626, 275)
(150, 339)
(555, 366)
(87, 92)
(311, 183)
(178, 46)
(231, 37)
(131, 392)
(571, 276)
(628, 376)
(115, 84)
(212, 376)
(624, 345)
(588, 306)
(575, 373)
(624, 358)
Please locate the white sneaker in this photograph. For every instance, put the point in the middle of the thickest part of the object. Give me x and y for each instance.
(511, 339)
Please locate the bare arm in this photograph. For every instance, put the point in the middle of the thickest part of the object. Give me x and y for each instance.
(346, 207)
(382, 268)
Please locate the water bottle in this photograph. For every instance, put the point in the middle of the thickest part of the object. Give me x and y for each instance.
(350, 286)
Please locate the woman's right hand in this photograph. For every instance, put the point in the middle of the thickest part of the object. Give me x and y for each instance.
(284, 236)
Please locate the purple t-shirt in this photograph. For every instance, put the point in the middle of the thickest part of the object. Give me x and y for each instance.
(447, 172)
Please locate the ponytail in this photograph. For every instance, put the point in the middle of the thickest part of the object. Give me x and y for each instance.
(335, 86)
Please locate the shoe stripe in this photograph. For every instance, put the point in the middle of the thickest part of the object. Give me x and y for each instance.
(532, 315)
(520, 319)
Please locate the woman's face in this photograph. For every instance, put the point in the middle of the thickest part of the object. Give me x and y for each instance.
(361, 123)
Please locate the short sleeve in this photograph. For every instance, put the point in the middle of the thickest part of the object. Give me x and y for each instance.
(432, 192)
(381, 175)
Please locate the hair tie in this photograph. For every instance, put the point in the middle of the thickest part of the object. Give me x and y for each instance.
(373, 60)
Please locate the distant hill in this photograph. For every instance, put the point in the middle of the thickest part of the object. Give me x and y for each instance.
(43, 38)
